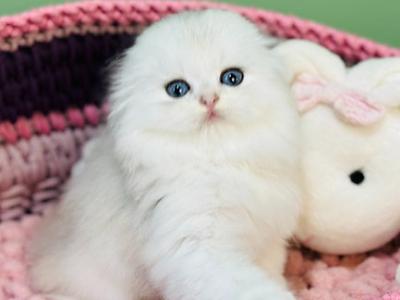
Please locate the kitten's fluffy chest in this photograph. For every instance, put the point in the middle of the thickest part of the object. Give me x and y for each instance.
(243, 189)
(246, 174)
(241, 169)
(209, 168)
(248, 151)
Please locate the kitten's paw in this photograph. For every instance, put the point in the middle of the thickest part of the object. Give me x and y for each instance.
(268, 293)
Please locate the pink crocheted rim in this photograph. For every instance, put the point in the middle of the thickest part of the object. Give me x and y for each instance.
(125, 12)
(90, 115)
(29, 39)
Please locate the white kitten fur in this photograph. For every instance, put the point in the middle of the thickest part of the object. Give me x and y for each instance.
(169, 204)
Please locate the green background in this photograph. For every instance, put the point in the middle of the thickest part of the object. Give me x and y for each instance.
(375, 19)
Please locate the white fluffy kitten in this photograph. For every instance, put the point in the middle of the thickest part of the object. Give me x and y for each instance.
(192, 190)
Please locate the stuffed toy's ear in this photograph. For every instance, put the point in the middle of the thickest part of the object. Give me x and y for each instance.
(311, 68)
(381, 77)
(351, 106)
(304, 57)
(320, 77)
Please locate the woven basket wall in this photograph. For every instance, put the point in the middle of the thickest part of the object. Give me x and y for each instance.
(51, 102)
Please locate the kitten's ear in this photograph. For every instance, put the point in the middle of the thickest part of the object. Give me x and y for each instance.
(317, 76)
(381, 76)
(304, 57)
(271, 41)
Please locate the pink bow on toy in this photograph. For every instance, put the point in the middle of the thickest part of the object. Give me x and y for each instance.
(351, 105)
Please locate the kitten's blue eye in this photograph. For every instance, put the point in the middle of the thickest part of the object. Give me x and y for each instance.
(177, 88)
(232, 77)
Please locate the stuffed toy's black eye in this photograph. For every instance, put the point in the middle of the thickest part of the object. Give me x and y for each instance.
(232, 77)
(357, 177)
(177, 88)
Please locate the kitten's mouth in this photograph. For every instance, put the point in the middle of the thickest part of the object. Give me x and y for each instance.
(212, 115)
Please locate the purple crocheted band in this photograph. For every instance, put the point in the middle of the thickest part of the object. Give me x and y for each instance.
(56, 75)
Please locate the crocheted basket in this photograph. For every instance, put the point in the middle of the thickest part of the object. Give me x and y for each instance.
(50, 94)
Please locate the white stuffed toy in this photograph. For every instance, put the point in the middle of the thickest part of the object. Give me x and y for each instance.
(351, 148)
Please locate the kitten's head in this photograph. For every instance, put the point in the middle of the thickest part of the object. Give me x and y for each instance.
(198, 71)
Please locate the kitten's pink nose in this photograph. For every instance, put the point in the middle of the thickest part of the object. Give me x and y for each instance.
(209, 101)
